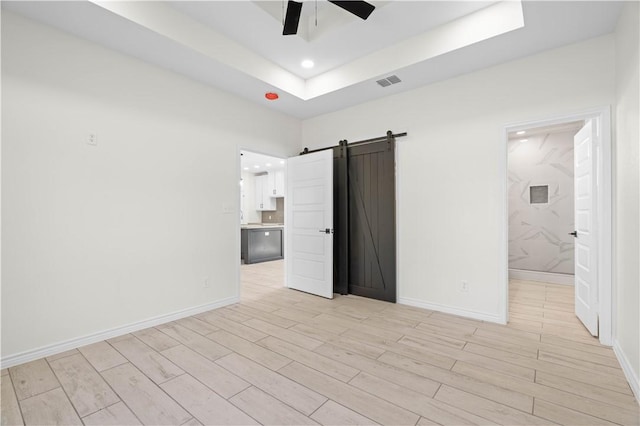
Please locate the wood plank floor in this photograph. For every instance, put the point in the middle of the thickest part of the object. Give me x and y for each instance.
(286, 357)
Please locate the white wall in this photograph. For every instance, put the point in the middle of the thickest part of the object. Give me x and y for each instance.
(539, 237)
(451, 190)
(626, 194)
(98, 237)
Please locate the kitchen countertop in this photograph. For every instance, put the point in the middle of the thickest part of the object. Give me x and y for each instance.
(262, 225)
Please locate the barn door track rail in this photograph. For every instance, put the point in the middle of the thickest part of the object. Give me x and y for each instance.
(388, 137)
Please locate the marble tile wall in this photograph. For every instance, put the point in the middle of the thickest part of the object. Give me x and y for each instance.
(538, 232)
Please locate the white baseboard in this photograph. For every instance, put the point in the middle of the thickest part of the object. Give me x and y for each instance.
(631, 376)
(483, 316)
(545, 277)
(56, 348)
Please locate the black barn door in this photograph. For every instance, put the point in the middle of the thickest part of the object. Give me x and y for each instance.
(372, 220)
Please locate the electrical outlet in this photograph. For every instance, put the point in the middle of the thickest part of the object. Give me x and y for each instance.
(205, 282)
(464, 287)
(92, 139)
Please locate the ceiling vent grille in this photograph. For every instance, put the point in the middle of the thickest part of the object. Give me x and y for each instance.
(392, 79)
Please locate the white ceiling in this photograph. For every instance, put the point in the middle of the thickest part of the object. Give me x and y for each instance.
(238, 47)
(253, 162)
(572, 126)
(339, 36)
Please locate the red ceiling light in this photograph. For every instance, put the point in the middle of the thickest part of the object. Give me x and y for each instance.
(271, 96)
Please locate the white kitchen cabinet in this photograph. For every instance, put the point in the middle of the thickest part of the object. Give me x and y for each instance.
(264, 200)
(243, 203)
(271, 184)
(275, 180)
(279, 184)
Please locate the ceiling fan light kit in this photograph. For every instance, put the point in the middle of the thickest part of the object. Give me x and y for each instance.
(361, 9)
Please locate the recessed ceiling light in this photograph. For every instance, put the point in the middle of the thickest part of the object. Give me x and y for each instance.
(524, 140)
(521, 132)
(246, 168)
(307, 63)
(256, 167)
(268, 164)
(281, 161)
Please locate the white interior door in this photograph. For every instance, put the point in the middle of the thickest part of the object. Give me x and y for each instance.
(586, 275)
(309, 223)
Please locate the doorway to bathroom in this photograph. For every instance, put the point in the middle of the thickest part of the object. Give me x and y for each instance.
(558, 226)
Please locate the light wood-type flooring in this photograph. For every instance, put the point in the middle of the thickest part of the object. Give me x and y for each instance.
(286, 357)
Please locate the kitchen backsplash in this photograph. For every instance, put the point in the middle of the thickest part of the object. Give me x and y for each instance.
(276, 216)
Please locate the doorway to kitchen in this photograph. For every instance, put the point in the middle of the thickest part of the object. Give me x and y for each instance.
(262, 220)
(558, 226)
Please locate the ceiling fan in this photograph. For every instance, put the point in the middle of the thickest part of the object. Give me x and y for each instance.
(361, 9)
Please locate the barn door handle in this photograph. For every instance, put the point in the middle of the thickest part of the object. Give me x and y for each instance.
(574, 233)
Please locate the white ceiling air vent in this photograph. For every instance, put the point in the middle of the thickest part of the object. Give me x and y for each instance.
(392, 79)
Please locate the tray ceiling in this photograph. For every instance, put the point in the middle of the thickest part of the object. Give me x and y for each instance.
(238, 47)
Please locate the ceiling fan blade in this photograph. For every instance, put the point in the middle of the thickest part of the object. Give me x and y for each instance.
(292, 18)
(361, 9)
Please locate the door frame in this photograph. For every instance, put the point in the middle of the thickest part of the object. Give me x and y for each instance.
(238, 245)
(604, 230)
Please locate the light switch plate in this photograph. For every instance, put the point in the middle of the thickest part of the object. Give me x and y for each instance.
(227, 208)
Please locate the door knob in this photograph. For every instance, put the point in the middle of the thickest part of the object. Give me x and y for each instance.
(574, 233)
(326, 231)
